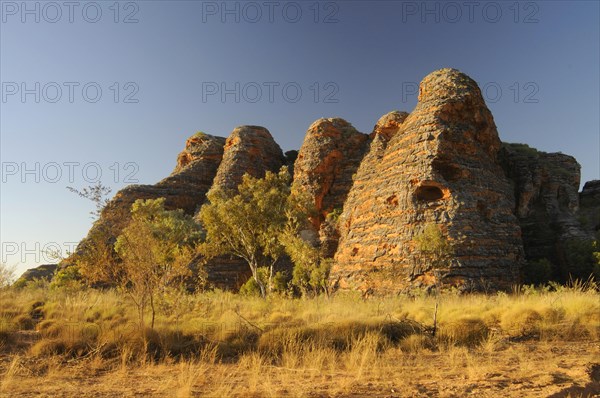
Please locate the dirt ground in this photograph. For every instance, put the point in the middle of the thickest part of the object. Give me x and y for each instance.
(508, 369)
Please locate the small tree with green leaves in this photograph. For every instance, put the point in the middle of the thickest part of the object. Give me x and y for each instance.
(155, 250)
(436, 250)
(93, 260)
(311, 270)
(252, 222)
(434, 247)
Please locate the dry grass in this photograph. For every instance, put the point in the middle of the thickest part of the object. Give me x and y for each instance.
(90, 343)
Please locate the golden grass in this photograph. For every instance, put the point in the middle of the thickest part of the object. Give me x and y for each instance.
(90, 343)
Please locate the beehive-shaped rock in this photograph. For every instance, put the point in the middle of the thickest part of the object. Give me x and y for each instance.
(441, 167)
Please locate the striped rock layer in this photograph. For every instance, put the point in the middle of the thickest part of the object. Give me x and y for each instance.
(440, 166)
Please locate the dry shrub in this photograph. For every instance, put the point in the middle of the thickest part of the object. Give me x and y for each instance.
(468, 331)
(339, 336)
(24, 322)
(416, 343)
(521, 321)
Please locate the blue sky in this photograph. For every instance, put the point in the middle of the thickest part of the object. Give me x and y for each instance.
(120, 86)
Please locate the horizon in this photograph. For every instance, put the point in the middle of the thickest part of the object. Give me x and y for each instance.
(117, 91)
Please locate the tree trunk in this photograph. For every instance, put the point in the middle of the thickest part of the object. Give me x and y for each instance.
(153, 310)
(261, 285)
(271, 278)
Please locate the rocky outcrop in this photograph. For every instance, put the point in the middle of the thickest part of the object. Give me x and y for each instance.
(547, 200)
(44, 272)
(252, 150)
(441, 167)
(249, 149)
(329, 157)
(185, 188)
(589, 207)
(558, 223)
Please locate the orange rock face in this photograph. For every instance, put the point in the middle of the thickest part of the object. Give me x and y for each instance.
(185, 188)
(252, 150)
(442, 164)
(330, 155)
(439, 167)
(249, 149)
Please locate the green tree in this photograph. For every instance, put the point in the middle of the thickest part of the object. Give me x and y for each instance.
(583, 259)
(434, 246)
(155, 250)
(252, 223)
(311, 270)
(436, 250)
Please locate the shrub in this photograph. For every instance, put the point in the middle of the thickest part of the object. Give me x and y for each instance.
(252, 288)
(538, 272)
(468, 331)
(582, 261)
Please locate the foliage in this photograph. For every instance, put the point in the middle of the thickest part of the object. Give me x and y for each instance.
(95, 257)
(252, 223)
(252, 288)
(311, 271)
(96, 193)
(538, 272)
(155, 249)
(523, 149)
(7, 274)
(68, 278)
(583, 259)
(432, 243)
(334, 215)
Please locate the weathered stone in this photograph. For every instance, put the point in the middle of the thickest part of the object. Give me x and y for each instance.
(589, 207)
(44, 272)
(252, 150)
(547, 199)
(331, 153)
(440, 166)
(249, 149)
(185, 188)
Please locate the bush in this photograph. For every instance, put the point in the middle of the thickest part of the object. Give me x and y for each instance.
(252, 288)
(67, 278)
(466, 331)
(538, 272)
(582, 261)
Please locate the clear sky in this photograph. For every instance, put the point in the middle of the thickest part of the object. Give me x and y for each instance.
(117, 87)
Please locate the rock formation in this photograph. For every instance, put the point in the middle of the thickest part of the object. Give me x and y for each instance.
(252, 150)
(589, 207)
(547, 199)
(185, 188)
(443, 165)
(44, 272)
(330, 155)
(249, 149)
(439, 167)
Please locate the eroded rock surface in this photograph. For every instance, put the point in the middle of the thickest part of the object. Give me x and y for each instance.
(249, 149)
(439, 167)
(589, 207)
(252, 150)
(329, 157)
(185, 188)
(442, 164)
(547, 199)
